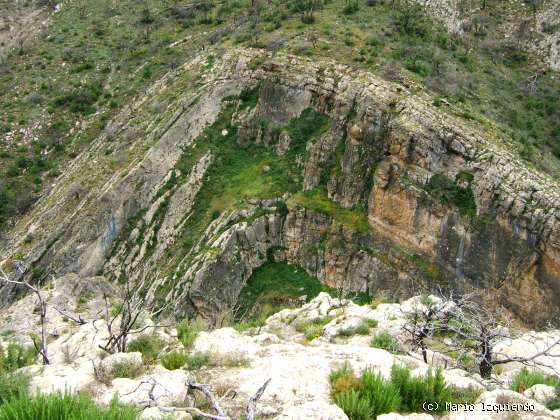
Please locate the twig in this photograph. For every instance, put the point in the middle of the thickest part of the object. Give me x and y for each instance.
(215, 403)
(80, 320)
(252, 406)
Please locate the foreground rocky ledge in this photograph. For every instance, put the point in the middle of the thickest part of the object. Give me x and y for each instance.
(297, 364)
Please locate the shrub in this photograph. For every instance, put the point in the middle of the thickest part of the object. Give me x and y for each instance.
(554, 404)
(80, 100)
(372, 395)
(363, 398)
(174, 360)
(450, 193)
(343, 380)
(415, 391)
(62, 406)
(526, 378)
(123, 369)
(382, 395)
(197, 360)
(361, 329)
(16, 356)
(384, 340)
(355, 407)
(149, 345)
(372, 323)
(313, 329)
(13, 386)
(126, 369)
(186, 333)
(351, 7)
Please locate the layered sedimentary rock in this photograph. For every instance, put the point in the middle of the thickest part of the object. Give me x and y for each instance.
(409, 195)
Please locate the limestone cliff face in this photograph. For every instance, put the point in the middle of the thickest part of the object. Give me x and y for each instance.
(396, 193)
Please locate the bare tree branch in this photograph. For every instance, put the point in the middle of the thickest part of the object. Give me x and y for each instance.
(215, 403)
(79, 320)
(42, 346)
(252, 406)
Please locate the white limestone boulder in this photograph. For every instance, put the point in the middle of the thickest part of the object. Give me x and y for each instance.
(314, 410)
(59, 378)
(168, 388)
(112, 363)
(541, 393)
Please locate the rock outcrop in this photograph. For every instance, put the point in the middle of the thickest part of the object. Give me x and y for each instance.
(297, 364)
(393, 193)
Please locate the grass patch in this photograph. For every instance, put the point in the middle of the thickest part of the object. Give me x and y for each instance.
(187, 333)
(13, 386)
(317, 200)
(371, 394)
(174, 360)
(384, 340)
(278, 285)
(63, 406)
(526, 378)
(16, 356)
(361, 329)
(150, 345)
(313, 329)
(273, 286)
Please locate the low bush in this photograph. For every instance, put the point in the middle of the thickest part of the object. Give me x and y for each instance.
(126, 369)
(312, 329)
(363, 398)
(415, 391)
(526, 378)
(123, 369)
(343, 379)
(63, 407)
(371, 395)
(197, 360)
(150, 345)
(360, 329)
(186, 333)
(16, 356)
(13, 386)
(174, 360)
(384, 340)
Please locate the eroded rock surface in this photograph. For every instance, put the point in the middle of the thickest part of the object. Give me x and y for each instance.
(413, 194)
(298, 367)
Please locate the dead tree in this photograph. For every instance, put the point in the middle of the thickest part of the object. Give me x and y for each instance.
(127, 314)
(215, 403)
(128, 311)
(41, 344)
(426, 318)
(476, 331)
